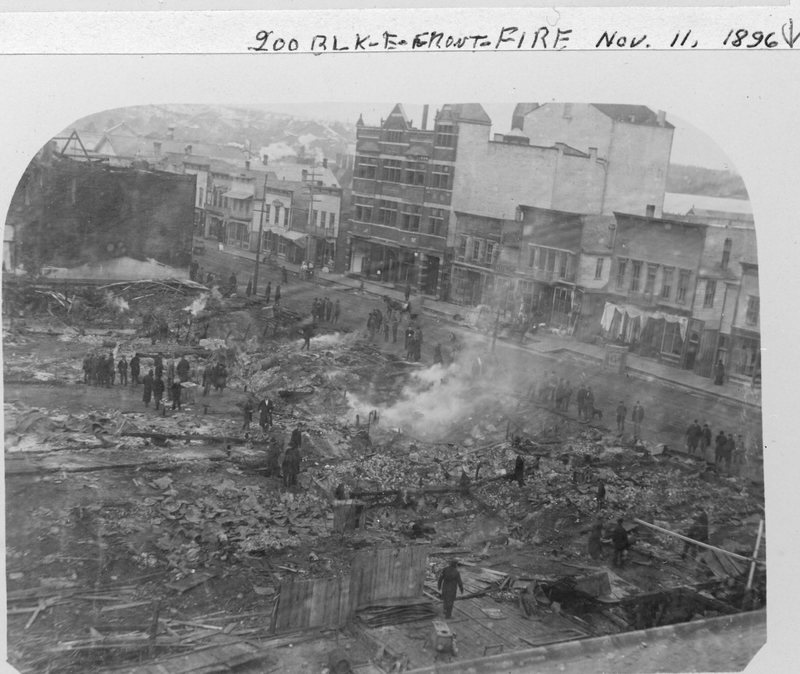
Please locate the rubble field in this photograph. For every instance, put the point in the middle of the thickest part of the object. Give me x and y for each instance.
(135, 535)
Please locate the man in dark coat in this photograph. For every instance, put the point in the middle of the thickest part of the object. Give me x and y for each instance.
(183, 369)
(588, 404)
(273, 458)
(158, 391)
(158, 361)
(622, 412)
(719, 448)
(176, 395)
(122, 367)
(297, 438)
(448, 583)
(247, 414)
(693, 437)
(233, 284)
(148, 388)
(284, 279)
(265, 408)
(519, 470)
(637, 414)
(698, 532)
(110, 369)
(705, 439)
(719, 373)
(278, 293)
(337, 308)
(291, 466)
(580, 399)
(619, 537)
(601, 494)
(135, 369)
(307, 331)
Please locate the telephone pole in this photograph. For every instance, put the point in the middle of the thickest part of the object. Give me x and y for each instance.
(260, 234)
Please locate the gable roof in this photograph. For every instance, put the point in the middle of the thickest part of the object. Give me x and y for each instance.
(397, 119)
(466, 112)
(631, 114)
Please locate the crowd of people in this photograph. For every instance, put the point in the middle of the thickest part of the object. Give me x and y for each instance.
(729, 453)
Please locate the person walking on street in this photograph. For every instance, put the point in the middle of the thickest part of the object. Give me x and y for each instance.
(134, 364)
(147, 393)
(158, 391)
(622, 412)
(619, 538)
(122, 367)
(693, 434)
(449, 582)
(638, 418)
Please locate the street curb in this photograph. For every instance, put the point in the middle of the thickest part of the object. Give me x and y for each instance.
(593, 645)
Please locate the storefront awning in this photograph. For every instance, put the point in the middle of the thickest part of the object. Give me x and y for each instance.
(238, 194)
(636, 312)
(380, 241)
(298, 238)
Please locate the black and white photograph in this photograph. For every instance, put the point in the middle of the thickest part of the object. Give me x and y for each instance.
(384, 383)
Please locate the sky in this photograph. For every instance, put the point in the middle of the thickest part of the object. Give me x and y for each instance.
(690, 145)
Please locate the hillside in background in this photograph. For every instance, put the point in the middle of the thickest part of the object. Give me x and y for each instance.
(279, 135)
(709, 182)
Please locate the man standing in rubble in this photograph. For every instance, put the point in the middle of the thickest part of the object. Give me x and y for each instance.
(291, 466)
(148, 388)
(122, 367)
(448, 583)
(619, 537)
(176, 395)
(638, 417)
(183, 369)
(705, 439)
(697, 532)
(170, 377)
(693, 434)
(135, 369)
(622, 412)
(519, 470)
(247, 413)
(158, 390)
(265, 408)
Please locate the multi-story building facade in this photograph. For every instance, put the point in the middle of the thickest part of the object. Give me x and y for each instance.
(744, 362)
(402, 197)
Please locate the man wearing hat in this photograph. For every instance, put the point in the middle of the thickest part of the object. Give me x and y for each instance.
(449, 582)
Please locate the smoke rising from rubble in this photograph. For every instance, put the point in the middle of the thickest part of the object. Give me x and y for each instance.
(198, 305)
(440, 402)
(118, 304)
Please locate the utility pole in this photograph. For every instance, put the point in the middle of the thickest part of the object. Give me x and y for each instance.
(260, 234)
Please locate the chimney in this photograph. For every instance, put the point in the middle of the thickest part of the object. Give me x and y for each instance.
(650, 211)
(157, 148)
(593, 153)
(171, 133)
(661, 117)
(324, 162)
(424, 117)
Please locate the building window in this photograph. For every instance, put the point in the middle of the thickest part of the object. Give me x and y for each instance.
(711, 290)
(666, 283)
(650, 281)
(683, 285)
(445, 135)
(392, 170)
(201, 197)
(562, 265)
(488, 256)
(281, 246)
(532, 256)
(621, 266)
(726, 253)
(636, 274)
(753, 305)
(598, 268)
(541, 259)
(265, 209)
(314, 217)
(331, 220)
(476, 249)
(393, 136)
(462, 247)
(415, 173)
(441, 177)
(367, 167)
(363, 211)
(436, 220)
(551, 261)
(410, 217)
(387, 213)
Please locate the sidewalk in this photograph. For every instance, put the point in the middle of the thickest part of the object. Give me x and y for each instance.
(546, 344)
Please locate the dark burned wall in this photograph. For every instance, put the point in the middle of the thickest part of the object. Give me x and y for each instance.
(84, 213)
